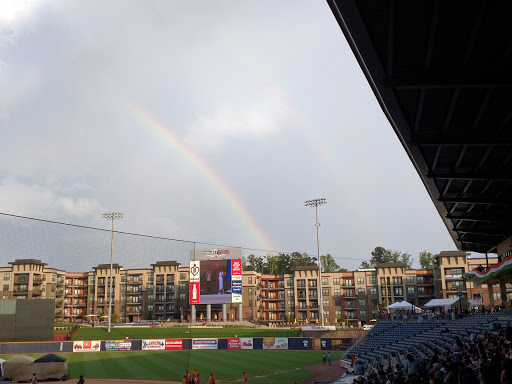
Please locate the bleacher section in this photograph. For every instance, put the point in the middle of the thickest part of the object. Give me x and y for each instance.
(390, 341)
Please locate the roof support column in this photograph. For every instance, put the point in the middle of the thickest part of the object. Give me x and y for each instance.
(503, 290)
(490, 293)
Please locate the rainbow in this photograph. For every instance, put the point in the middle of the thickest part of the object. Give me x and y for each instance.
(233, 201)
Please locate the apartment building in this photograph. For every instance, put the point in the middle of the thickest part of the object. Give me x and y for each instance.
(160, 292)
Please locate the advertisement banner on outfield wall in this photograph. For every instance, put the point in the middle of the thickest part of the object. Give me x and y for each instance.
(118, 345)
(173, 344)
(246, 342)
(234, 343)
(205, 344)
(153, 345)
(275, 343)
(86, 346)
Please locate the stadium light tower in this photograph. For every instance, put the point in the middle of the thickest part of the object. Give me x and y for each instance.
(315, 203)
(111, 216)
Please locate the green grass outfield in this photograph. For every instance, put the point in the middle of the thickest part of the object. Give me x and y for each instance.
(262, 366)
(98, 333)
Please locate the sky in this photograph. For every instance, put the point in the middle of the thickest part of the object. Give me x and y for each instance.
(210, 122)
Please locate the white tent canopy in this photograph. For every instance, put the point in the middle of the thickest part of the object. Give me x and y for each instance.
(475, 303)
(441, 302)
(402, 305)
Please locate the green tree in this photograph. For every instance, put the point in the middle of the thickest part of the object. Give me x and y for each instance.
(383, 255)
(115, 318)
(150, 315)
(426, 260)
(328, 264)
(253, 263)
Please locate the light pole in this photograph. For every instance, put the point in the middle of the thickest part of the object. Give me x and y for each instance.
(315, 203)
(111, 216)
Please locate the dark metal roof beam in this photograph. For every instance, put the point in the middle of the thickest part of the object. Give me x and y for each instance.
(416, 82)
(391, 36)
(479, 218)
(457, 142)
(455, 176)
(436, 158)
(476, 243)
(449, 115)
(461, 200)
(419, 111)
(474, 33)
(481, 110)
(432, 35)
(480, 233)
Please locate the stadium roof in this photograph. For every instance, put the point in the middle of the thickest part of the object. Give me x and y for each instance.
(441, 73)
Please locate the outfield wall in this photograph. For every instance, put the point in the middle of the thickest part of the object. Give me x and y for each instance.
(235, 343)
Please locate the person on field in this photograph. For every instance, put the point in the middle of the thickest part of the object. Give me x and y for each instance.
(81, 380)
(197, 379)
(211, 380)
(246, 379)
(34, 379)
(189, 379)
(324, 359)
(185, 379)
(329, 358)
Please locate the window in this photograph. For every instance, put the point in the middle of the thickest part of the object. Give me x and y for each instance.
(183, 286)
(372, 280)
(325, 281)
(123, 298)
(6, 287)
(301, 283)
(7, 276)
(123, 279)
(312, 294)
(410, 290)
(150, 297)
(375, 314)
(325, 292)
(420, 279)
(497, 296)
(410, 280)
(52, 288)
(123, 308)
(397, 280)
(337, 314)
(183, 276)
(336, 281)
(183, 296)
(349, 282)
(362, 302)
(326, 313)
(289, 292)
(54, 278)
(249, 280)
(289, 283)
(249, 291)
(372, 291)
(326, 303)
(337, 302)
(459, 284)
(123, 288)
(291, 304)
(337, 292)
(398, 291)
(362, 313)
(373, 302)
(312, 283)
(361, 291)
(349, 292)
(456, 271)
(250, 303)
(360, 280)
(421, 290)
(478, 285)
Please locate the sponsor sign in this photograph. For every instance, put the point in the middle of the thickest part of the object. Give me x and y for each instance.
(246, 342)
(86, 346)
(453, 276)
(205, 343)
(173, 344)
(318, 328)
(236, 280)
(194, 293)
(153, 345)
(275, 343)
(344, 363)
(234, 343)
(216, 254)
(118, 345)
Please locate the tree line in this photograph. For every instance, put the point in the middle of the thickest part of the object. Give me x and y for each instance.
(285, 262)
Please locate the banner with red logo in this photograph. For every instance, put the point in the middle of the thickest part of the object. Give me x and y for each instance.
(171, 344)
(247, 342)
(234, 343)
(194, 293)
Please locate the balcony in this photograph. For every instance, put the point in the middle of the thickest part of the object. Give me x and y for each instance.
(37, 292)
(37, 280)
(21, 280)
(349, 295)
(20, 291)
